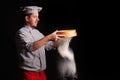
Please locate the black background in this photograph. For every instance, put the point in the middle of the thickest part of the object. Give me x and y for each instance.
(93, 47)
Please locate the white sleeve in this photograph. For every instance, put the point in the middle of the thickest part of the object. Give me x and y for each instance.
(23, 41)
(49, 45)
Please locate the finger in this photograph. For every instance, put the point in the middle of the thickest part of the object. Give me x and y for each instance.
(55, 32)
(56, 38)
(61, 36)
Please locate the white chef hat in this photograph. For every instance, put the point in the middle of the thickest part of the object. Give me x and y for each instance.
(31, 9)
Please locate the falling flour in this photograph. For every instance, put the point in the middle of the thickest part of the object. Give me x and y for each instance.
(66, 64)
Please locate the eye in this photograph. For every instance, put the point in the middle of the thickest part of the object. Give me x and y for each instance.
(35, 16)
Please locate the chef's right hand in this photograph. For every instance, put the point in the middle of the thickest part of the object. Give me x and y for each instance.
(54, 36)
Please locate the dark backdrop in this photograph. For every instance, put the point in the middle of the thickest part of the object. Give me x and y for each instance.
(91, 47)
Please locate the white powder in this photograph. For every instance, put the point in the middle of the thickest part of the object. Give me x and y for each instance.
(66, 65)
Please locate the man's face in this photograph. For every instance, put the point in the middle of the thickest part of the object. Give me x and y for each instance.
(32, 20)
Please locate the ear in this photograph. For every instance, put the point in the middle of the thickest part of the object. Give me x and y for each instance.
(27, 18)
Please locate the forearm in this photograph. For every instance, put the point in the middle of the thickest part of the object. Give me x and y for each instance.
(40, 43)
(51, 37)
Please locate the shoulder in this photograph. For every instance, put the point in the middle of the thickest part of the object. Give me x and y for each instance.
(22, 30)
